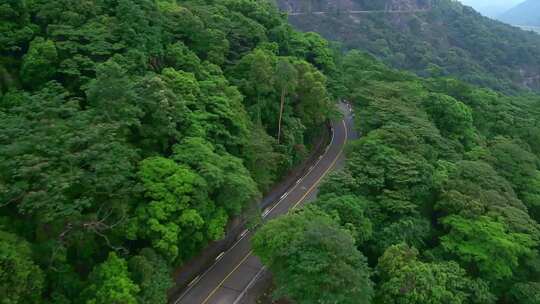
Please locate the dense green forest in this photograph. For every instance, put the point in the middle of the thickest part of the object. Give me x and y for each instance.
(133, 130)
(447, 39)
(439, 201)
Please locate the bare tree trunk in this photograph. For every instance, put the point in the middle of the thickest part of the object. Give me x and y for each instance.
(282, 105)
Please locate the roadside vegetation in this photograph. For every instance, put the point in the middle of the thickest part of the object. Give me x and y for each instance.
(438, 203)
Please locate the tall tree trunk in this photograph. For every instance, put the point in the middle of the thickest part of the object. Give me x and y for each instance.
(282, 105)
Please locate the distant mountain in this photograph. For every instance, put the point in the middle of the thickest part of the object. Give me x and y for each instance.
(428, 37)
(526, 13)
(491, 8)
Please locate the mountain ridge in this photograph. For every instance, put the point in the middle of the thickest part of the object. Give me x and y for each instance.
(524, 14)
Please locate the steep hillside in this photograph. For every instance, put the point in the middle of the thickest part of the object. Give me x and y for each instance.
(526, 13)
(445, 39)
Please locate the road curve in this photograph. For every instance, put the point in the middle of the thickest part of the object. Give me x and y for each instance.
(234, 270)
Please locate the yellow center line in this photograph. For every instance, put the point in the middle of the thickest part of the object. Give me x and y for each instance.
(225, 279)
(293, 207)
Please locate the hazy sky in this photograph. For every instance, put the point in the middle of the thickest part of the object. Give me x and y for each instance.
(492, 8)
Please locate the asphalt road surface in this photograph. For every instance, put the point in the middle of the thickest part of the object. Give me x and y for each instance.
(234, 270)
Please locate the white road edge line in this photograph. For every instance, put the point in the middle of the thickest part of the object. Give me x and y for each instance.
(243, 293)
(220, 256)
(197, 278)
(244, 233)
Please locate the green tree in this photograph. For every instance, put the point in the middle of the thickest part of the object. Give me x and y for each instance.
(110, 282)
(313, 259)
(286, 78)
(21, 280)
(486, 246)
(452, 117)
(112, 96)
(350, 213)
(228, 181)
(313, 103)
(174, 219)
(406, 280)
(513, 162)
(39, 63)
(151, 273)
(525, 293)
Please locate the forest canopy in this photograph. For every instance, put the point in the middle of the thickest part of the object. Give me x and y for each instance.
(439, 199)
(134, 130)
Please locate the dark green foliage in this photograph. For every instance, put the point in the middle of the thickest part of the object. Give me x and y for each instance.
(151, 273)
(131, 124)
(349, 212)
(525, 293)
(313, 259)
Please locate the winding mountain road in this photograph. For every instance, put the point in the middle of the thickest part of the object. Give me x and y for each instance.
(234, 270)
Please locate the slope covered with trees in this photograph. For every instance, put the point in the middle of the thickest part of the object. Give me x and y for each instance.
(133, 130)
(448, 39)
(439, 201)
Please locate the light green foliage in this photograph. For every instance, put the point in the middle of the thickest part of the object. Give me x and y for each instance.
(406, 280)
(174, 219)
(313, 259)
(486, 245)
(110, 283)
(377, 166)
(180, 57)
(39, 63)
(452, 117)
(21, 280)
(286, 96)
(228, 181)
